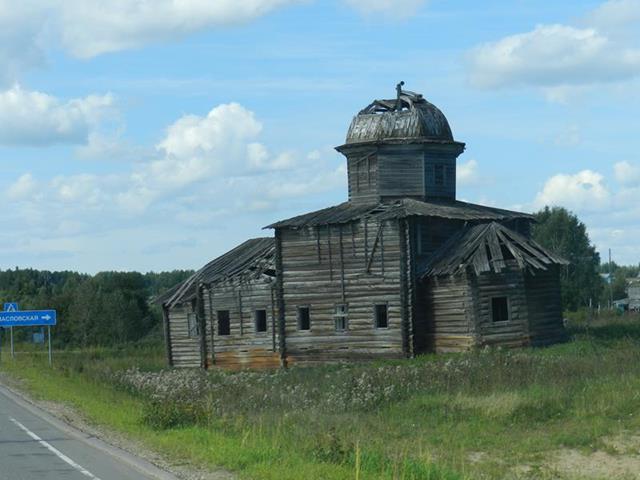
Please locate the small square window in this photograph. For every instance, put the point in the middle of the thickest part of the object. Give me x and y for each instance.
(340, 317)
(304, 319)
(192, 325)
(381, 314)
(260, 318)
(224, 323)
(499, 309)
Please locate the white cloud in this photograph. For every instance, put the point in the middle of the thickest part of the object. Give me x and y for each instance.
(89, 28)
(584, 191)
(553, 55)
(395, 8)
(21, 46)
(206, 168)
(467, 173)
(36, 118)
(627, 173)
(611, 215)
(616, 17)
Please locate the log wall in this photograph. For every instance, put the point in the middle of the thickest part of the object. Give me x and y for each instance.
(185, 350)
(244, 347)
(357, 264)
(510, 283)
(545, 307)
(362, 174)
(447, 313)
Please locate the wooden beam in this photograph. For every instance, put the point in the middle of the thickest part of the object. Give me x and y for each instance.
(330, 255)
(167, 335)
(342, 285)
(317, 229)
(240, 311)
(213, 327)
(273, 318)
(373, 249)
(404, 285)
(202, 325)
(280, 298)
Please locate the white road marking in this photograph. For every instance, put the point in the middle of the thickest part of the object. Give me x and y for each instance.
(55, 451)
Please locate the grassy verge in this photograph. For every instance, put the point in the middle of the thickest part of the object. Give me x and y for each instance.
(489, 414)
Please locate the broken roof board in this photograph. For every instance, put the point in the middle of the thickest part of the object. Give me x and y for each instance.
(256, 254)
(481, 247)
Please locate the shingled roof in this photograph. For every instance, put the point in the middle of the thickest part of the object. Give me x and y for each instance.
(407, 207)
(253, 257)
(486, 248)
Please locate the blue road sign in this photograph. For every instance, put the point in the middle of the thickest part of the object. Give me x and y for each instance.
(27, 318)
(11, 307)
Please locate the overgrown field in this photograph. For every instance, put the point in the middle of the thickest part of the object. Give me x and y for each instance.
(534, 413)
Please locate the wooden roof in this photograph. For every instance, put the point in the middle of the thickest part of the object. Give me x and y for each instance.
(347, 212)
(253, 257)
(486, 248)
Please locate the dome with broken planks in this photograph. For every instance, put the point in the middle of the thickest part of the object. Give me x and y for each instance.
(407, 118)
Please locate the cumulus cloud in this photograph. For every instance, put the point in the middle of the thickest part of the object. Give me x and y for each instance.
(214, 159)
(36, 118)
(550, 55)
(611, 214)
(601, 47)
(205, 168)
(197, 148)
(585, 191)
(92, 28)
(616, 17)
(396, 8)
(627, 173)
(89, 28)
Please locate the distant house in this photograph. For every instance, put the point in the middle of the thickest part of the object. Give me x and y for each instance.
(399, 269)
(633, 294)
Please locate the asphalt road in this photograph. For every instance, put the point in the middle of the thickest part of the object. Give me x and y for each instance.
(36, 446)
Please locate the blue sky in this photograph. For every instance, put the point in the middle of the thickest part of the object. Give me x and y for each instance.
(139, 135)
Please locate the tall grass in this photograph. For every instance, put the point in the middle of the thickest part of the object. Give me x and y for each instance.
(482, 414)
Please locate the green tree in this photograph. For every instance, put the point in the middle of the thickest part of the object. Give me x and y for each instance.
(562, 232)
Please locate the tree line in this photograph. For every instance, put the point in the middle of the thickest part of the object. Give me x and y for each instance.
(107, 308)
(582, 285)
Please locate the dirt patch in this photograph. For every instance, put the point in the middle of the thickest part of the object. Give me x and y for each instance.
(596, 465)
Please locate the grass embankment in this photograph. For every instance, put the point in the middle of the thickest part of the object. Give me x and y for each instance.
(488, 414)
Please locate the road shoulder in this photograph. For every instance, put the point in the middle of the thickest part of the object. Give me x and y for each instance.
(128, 451)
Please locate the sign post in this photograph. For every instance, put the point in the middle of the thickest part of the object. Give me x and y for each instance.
(49, 335)
(12, 316)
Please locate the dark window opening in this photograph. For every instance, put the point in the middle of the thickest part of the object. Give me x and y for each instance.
(224, 323)
(381, 313)
(439, 174)
(193, 329)
(260, 318)
(499, 309)
(304, 319)
(340, 317)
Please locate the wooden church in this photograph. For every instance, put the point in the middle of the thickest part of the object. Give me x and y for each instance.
(399, 269)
